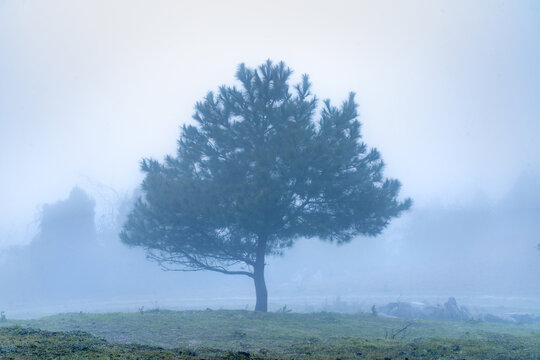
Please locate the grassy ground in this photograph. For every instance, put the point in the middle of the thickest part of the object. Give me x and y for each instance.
(17, 343)
(234, 334)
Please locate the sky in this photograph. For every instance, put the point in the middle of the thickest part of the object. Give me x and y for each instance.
(449, 91)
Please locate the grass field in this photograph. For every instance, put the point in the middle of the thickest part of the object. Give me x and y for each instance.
(241, 334)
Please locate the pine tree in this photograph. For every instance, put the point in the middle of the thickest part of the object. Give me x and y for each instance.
(255, 173)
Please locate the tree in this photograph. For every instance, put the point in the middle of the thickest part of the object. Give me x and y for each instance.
(68, 223)
(65, 251)
(257, 172)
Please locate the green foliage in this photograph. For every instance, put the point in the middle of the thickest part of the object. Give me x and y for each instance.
(257, 171)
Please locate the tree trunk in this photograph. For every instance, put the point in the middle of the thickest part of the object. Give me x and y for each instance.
(258, 277)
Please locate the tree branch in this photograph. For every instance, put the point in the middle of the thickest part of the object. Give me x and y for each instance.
(192, 264)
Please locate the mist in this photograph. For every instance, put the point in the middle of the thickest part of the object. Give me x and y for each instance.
(449, 92)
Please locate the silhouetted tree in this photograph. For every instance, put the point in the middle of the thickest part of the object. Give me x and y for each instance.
(64, 255)
(68, 223)
(256, 173)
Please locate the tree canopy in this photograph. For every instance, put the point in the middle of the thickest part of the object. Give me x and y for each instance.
(260, 168)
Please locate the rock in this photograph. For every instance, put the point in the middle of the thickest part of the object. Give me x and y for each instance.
(512, 318)
(405, 310)
(497, 319)
(524, 318)
(453, 312)
(414, 310)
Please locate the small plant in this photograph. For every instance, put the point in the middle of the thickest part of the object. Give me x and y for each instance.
(141, 310)
(284, 310)
(3, 316)
(374, 311)
(239, 334)
(398, 333)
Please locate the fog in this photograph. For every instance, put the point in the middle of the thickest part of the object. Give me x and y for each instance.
(449, 93)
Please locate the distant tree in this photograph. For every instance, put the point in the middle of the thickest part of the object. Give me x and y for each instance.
(68, 223)
(256, 173)
(64, 255)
